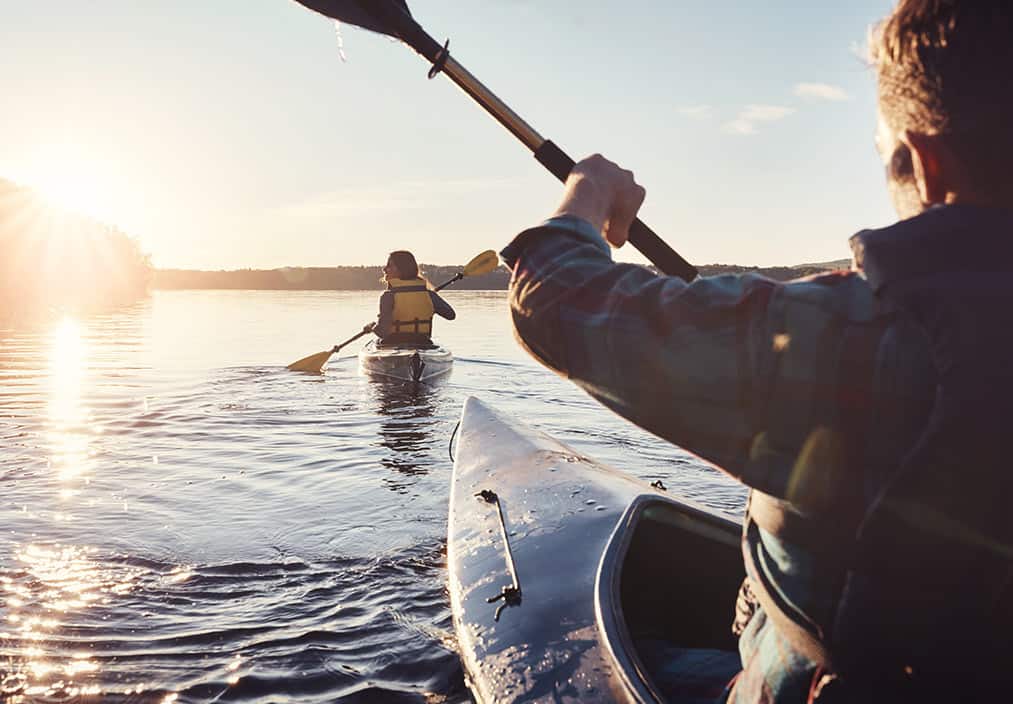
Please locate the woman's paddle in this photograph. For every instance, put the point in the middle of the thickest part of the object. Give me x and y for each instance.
(315, 362)
(482, 264)
(393, 18)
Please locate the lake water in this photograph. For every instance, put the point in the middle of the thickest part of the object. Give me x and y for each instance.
(185, 520)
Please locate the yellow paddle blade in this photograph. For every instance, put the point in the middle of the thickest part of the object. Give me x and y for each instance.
(482, 264)
(314, 363)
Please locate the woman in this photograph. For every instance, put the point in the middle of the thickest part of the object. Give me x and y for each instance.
(408, 305)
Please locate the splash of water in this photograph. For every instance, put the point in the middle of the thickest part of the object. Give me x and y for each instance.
(341, 41)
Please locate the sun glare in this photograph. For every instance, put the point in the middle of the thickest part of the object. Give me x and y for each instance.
(70, 177)
(71, 187)
(72, 191)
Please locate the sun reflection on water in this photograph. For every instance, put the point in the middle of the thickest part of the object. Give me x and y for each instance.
(53, 589)
(54, 580)
(69, 432)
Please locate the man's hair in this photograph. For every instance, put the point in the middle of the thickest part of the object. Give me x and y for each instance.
(946, 66)
(405, 262)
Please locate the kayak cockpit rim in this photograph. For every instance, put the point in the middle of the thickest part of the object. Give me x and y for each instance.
(609, 612)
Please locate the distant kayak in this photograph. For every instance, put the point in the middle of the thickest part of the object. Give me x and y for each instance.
(405, 363)
(571, 581)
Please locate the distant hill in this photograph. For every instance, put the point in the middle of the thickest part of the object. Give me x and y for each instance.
(778, 273)
(834, 265)
(367, 278)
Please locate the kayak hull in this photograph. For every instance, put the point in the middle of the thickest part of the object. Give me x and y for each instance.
(405, 363)
(597, 555)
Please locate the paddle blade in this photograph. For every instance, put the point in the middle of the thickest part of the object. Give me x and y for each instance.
(482, 264)
(368, 14)
(313, 364)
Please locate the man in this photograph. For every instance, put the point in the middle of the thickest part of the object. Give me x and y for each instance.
(867, 410)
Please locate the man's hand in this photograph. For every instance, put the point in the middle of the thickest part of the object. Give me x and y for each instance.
(605, 195)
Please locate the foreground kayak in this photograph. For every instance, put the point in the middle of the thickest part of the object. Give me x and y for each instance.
(405, 363)
(567, 578)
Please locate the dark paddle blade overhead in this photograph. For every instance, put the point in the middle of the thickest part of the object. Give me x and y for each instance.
(374, 15)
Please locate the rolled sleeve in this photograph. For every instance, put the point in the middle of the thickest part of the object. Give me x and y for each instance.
(578, 230)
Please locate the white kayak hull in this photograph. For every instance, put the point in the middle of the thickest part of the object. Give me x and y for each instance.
(601, 560)
(405, 363)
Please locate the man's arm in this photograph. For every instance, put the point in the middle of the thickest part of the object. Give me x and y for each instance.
(774, 383)
(669, 356)
(677, 359)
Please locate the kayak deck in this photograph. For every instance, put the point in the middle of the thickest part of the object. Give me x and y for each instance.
(605, 564)
(405, 363)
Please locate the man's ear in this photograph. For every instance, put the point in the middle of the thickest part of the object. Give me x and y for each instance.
(928, 159)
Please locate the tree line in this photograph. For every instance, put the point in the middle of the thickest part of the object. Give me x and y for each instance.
(367, 278)
(337, 278)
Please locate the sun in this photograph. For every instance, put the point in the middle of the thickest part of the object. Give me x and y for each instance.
(71, 177)
(71, 189)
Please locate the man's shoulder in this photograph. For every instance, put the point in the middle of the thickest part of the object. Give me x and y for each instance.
(837, 315)
(844, 295)
(833, 294)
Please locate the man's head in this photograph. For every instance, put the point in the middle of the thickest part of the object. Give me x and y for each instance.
(945, 73)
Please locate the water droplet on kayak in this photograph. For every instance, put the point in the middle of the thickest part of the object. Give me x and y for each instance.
(341, 41)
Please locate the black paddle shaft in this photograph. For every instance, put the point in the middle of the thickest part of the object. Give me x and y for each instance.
(365, 331)
(457, 277)
(393, 17)
(642, 237)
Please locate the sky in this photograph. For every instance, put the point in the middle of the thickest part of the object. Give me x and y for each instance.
(231, 134)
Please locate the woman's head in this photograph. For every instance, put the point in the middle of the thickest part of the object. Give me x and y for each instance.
(401, 265)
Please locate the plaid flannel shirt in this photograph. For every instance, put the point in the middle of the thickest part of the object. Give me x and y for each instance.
(744, 372)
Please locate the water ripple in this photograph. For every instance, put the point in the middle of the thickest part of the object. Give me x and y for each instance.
(185, 520)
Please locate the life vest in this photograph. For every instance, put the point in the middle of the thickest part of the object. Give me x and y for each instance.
(924, 609)
(413, 308)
